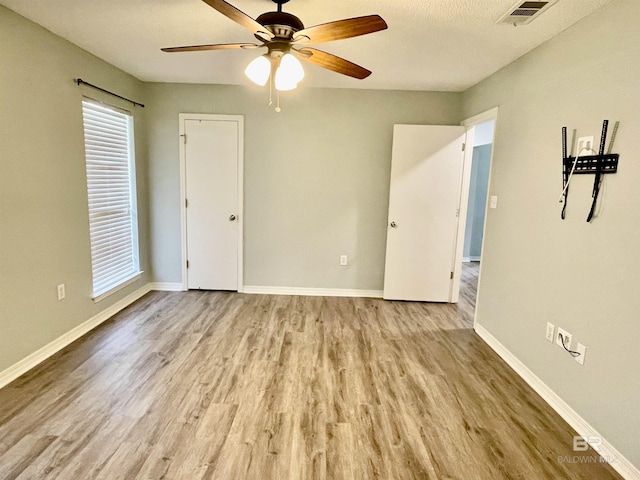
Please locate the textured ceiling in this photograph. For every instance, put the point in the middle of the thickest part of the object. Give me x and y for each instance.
(441, 45)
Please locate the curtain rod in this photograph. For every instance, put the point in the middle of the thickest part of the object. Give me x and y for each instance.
(79, 81)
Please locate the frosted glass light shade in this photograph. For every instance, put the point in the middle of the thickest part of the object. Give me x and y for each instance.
(283, 83)
(259, 70)
(289, 73)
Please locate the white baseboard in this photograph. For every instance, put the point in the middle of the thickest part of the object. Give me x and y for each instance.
(10, 374)
(622, 465)
(312, 292)
(470, 259)
(166, 287)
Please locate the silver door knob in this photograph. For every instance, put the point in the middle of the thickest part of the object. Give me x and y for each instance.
(232, 218)
(393, 225)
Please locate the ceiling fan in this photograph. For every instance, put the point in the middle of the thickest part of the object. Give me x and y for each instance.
(285, 37)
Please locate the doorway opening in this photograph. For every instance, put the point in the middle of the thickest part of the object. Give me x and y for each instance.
(481, 130)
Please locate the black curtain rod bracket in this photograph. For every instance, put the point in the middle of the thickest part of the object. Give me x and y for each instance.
(79, 82)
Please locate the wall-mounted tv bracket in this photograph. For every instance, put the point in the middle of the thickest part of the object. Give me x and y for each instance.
(598, 165)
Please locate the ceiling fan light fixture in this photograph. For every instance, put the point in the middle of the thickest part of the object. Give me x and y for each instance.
(283, 84)
(258, 70)
(289, 73)
(292, 67)
(279, 31)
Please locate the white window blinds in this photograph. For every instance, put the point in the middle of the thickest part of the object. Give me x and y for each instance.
(108, 138)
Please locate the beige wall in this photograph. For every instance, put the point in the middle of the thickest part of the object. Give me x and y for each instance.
(44, 227)
(316, 178)
(576, 275)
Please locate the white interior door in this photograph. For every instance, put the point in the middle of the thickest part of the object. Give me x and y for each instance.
(424, 198)
(211, 185)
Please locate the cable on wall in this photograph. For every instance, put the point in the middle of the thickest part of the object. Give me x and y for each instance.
(572, 352)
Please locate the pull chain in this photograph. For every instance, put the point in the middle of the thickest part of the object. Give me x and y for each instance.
(278, 109)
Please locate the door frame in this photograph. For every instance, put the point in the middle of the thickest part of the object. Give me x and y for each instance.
(470, 124)
(239, 119)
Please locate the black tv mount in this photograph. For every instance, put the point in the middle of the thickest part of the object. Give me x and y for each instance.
(599, 164)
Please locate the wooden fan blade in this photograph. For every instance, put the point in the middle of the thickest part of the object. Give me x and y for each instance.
(338, 30)
(239, 17)
(331, 62)
(217, 46)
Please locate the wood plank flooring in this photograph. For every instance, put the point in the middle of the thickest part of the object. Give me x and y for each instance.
(215, 385)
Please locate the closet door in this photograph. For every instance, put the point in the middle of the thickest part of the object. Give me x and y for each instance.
(211, 177)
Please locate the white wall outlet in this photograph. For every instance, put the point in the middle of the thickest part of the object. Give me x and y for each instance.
(343, 260)
(61, 291)
(567, 338)
(585, 143)
(582, 350)
(493, 202)
(551, 328)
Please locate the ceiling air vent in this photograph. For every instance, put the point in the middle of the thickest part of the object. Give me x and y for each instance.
(524, 12)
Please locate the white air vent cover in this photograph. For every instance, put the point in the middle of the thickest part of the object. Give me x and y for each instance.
(524, 12)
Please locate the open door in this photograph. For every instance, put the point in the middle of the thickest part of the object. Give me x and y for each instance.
(424, 201)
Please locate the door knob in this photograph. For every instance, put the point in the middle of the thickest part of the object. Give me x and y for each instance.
(232, 218)
(393, 225)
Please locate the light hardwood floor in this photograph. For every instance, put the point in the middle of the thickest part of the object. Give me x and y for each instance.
(215, 385)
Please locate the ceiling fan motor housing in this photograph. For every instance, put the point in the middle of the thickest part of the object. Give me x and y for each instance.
(283, 25)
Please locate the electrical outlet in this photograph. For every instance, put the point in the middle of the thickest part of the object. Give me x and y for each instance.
(567, 338)
(61, 291)
(582, 350)
(343, 260)
(585, 142)
(551, 328)
(493, 201)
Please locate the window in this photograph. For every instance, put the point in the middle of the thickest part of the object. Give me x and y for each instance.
(109, 153)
